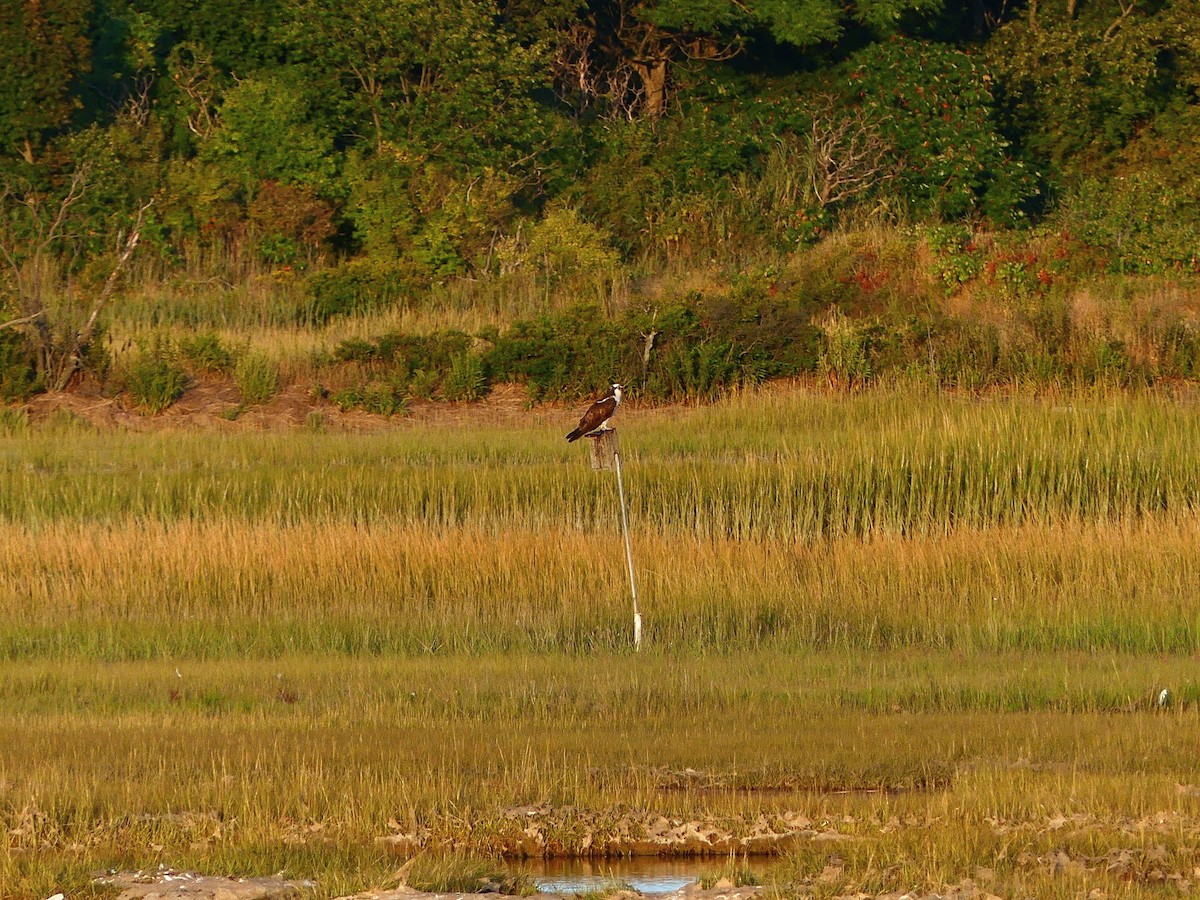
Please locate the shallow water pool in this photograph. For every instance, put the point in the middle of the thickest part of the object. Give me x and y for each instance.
(649, 875)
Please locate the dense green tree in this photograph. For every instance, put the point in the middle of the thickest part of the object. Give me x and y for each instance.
(1078, 78)
(263, 131)
(442, 79)
(621, 51)
(934, 105)
(422, 133)
(240, 35)
(44, 49)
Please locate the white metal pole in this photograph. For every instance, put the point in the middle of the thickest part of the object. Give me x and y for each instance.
(637, 616)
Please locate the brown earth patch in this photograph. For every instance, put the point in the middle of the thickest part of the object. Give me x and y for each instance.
(215, 403)
(548, 832)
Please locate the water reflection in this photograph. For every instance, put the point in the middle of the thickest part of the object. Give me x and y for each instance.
(649, 874)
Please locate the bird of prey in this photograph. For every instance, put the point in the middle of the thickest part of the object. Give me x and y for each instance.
(597, 416)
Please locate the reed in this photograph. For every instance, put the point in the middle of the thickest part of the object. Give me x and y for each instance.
(804, 467)
(298, 764)
(235, 589)
(935, 627)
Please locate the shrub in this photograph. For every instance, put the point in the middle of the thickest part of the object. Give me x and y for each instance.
(956, 259)
(357, 287)
(206, 353)
(154, 381)
(844, 352)
(561, 246)
(400, 355)
(423, 384)
(695, 371)
(467, 379)
(257, 377)
(690, 349)
(381, 397)
(571, 354)
(1143, 223)
(292, 224)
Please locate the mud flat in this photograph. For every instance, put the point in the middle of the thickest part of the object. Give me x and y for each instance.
(548, 832)
(170, 885)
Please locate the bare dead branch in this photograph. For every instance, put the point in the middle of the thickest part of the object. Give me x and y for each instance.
(23, 320)
(110, 283)
(848, 157)
(193, 73)
(648, 348)
(78, 183)
(1127, 7)
(707, 49)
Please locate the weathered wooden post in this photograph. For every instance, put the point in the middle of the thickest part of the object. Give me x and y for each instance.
(606, 457)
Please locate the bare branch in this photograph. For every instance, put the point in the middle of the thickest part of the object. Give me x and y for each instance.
(848, 157)
(24, 320)
(110, 283)
(1127, 7)
(74, 192)
(192, 71)
(707, 49)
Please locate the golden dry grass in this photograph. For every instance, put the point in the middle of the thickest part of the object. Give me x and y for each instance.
(259, 652)
(211, 589)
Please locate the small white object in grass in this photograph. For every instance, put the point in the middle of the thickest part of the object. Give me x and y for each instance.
(1164, 697)
(55, 897)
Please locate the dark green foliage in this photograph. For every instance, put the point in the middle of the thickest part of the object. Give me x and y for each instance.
(415, 72)
(697, 349)
(242, 35)
(382, 397)
(18, 375)
(357, 287)
(571, 354)
(44, 48)
(403, 355)
(205, 352)
(154, 381)
(934, 105)
(1082, 85)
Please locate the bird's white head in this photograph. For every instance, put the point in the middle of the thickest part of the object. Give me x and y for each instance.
(617, 390)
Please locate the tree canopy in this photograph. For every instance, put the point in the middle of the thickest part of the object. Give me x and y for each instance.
(424, 134)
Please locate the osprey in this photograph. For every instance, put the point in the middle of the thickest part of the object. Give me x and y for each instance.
(598, 414)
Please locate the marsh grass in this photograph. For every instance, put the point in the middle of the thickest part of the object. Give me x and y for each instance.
(736, 871)
(604, 891)
(459, 874)
(130, 765)
(934, 627)
(802, 467)
(213, 590)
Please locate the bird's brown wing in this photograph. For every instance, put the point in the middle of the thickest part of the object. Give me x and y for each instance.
(596, 415)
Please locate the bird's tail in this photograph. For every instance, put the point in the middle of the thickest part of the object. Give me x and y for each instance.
(575, 435)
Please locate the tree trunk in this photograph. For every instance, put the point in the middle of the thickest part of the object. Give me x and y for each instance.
(653, 75)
